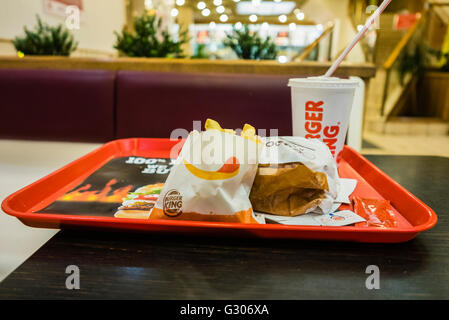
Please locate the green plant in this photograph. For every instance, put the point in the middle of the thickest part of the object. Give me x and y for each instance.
(201, 52)
(249, 45)
(413, 62)
(418, 60)
(149, 41)
(46, 40)
(442, 57)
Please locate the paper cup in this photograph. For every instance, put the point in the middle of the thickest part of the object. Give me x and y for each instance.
(321, 108)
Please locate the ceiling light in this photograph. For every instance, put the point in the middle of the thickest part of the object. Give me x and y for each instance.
(148, 4)
(300, 16)
(265, 25)
(282, 59)
(253, 18)
(212, 25)
(265, 8)
(292, 26)
(218, 2)
(201, 5)
(220, 9)
(174, 12)
(223, 18)
(277, 0)
(238, 25)
(282, 18)
(180, 2)
(205, 12)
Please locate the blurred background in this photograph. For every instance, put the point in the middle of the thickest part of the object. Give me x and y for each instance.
(293, 25)
(402, 59)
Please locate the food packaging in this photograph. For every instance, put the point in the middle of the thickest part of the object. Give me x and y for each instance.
(212, 177)
(335, 219)
(321, 107)
(376, 212)
(295, 176)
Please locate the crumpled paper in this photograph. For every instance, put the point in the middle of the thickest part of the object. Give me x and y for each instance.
(295, 176)
(317, 218)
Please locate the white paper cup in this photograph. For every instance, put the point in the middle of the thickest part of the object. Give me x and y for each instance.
(321, 108)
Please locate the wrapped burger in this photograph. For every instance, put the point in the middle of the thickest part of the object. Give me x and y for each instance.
(295, 176)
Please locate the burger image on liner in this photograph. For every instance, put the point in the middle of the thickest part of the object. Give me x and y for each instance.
(138, 204)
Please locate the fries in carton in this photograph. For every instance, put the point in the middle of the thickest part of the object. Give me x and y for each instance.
(212, 177)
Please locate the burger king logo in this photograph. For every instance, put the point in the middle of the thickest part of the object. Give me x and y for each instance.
(229, 169)
(172, 203)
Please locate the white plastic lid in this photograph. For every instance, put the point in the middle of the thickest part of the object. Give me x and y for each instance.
(323, 82)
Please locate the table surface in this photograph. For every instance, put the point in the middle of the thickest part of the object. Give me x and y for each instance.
(149, 266)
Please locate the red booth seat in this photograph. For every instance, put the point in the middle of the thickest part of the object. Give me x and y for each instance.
(96, 105)
(70, 105)
(153, 104)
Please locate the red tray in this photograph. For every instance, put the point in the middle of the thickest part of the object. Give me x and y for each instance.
(412, 214)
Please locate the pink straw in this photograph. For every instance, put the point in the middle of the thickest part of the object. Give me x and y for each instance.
(368, 23)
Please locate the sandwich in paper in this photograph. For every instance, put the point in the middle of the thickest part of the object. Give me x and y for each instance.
(295, 176)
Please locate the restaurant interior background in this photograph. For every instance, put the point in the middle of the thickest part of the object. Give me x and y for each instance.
(402, 61)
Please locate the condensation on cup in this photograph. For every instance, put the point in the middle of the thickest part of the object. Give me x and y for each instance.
(321, 109)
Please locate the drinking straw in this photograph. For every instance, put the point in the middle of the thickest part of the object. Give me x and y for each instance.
(368, 23)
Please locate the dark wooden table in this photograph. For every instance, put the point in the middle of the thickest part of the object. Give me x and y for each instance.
(146, 266)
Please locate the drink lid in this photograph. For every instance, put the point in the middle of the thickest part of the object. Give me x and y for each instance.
(323, 82)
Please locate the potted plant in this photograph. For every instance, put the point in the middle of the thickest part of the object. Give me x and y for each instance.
(431, 69)
(45, 40)
(435, 88)
(201, 52)
(249, 45)
(149, 41)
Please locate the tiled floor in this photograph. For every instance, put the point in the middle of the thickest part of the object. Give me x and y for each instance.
(405, 144)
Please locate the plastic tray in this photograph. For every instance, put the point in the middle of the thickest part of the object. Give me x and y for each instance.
(413, 215)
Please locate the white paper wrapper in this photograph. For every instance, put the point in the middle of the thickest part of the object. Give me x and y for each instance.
(336, 219)
(317, 218)
(313, 153)
(347, 187)
(199, 186)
